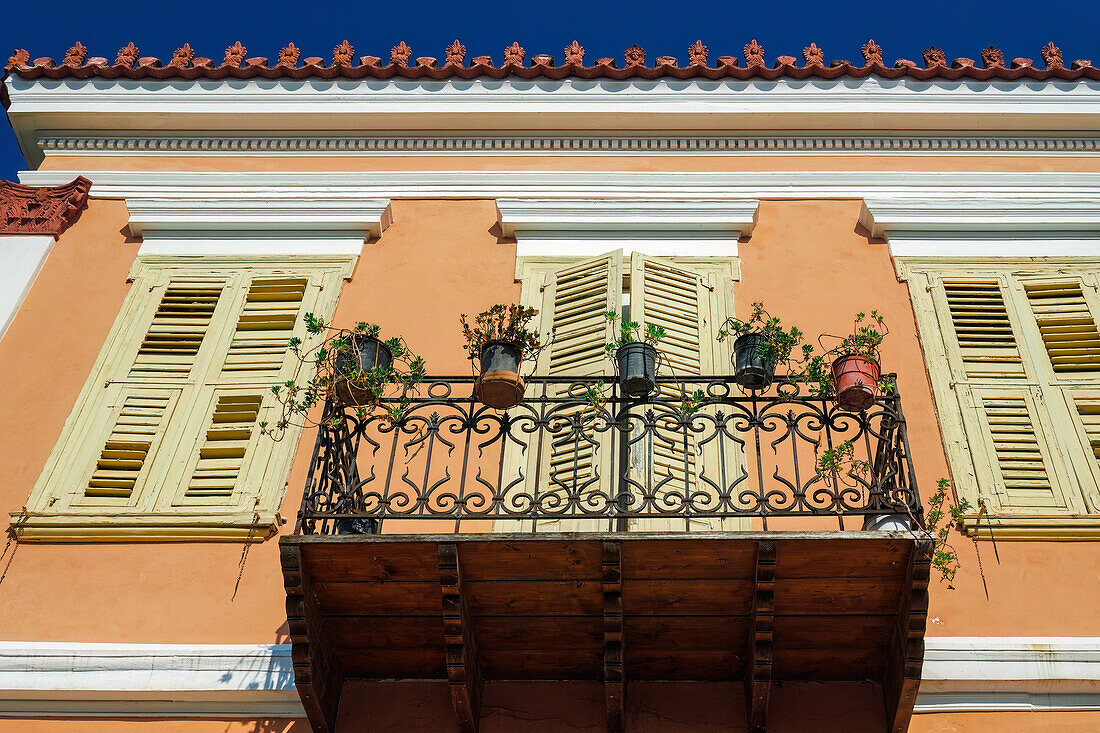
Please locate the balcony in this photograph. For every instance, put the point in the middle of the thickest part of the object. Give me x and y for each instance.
(611, 540)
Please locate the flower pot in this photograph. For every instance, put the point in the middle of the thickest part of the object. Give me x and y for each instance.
(366, 352)
(500, 385)
(856, 379)
(637, 368)
(749, 370)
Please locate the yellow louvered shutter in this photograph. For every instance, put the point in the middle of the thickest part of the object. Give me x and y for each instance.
(567, 466)
(271, 309)
(1066, 325)
(980, 321)
(180, 324)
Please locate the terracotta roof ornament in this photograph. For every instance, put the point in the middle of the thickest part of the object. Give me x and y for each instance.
(289, 55)
(813, 55)
(400, 54)
(697, 54)
(993, 58)
(235, 55)
(19, 57)
(934, 57)
(41, 210)
(76, 55)
(667, 61)
(754, 54)
(1052, 55)
(127, 55)
(183, 57)
(513, 55)
(574, 54)
(634, 56)
(872, 53)
(456, 54)
(344, 54)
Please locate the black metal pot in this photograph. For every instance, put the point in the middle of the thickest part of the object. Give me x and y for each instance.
(637, 368)
(500, 356)
(749, 370)
(366, 352)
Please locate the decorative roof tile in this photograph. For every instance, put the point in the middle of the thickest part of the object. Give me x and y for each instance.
(41, 210)
(184, 64)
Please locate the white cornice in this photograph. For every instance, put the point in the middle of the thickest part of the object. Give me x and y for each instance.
(568, 106)
(227, 225)
(1058, 225)
(69, 143)
(51, 679)
(634, 215)
(558, 184)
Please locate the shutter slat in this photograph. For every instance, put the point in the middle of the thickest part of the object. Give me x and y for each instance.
(983, 329)
(264, 327)
(1016, 447)
(179, 325)
(120, 463)
(1069, 332)
(226, 442)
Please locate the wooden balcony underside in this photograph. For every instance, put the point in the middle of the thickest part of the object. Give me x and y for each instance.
(616, 607)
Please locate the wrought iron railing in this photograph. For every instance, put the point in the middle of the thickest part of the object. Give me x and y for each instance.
(564, 461)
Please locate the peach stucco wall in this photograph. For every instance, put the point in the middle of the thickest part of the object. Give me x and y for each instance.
(808, 260)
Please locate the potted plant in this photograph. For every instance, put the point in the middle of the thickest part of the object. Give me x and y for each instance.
(760, 345)
(853, 375)
(353, 367)
(635, 354)
(500, 339)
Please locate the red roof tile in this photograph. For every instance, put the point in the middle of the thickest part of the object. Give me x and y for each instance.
(184, 64)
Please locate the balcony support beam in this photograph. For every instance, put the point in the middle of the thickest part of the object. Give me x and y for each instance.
(463, 669)
(614, 678)
(906, 657)
(759, 677)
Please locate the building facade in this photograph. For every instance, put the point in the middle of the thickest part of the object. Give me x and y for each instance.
(587, 560)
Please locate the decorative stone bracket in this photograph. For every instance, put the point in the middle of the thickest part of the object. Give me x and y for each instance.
(41, 210)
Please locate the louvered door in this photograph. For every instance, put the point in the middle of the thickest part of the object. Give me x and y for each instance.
(572, 460)
(668, 469)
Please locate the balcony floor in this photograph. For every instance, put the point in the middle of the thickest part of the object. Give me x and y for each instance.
(616, 607)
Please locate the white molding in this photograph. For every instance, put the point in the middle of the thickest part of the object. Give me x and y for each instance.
(231, 225)
(558, 184)
(138, 680)
(1059, 225)
(46, 679)
(21, 259)
(658, 227)
(77, 143)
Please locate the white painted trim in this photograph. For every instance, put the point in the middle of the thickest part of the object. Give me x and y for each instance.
(594, 244)
(233, 225)
(638, 215)
(21, 259)
(908, 245)
(44, 679)
(78, 143)
(557, 184)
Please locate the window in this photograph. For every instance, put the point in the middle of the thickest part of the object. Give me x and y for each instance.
(689, 297)
(1014, 357)
(164, 441)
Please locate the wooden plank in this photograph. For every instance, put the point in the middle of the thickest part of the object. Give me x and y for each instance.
(373, 563)
(687, 632)
(688, 597)
(378, 599)
(716, 665)
(535, 598)
(826, 558)
(564, 664)
(759, 678)
(510, 633)
(386, 632)
(463, 667)
(689, 558)
(856, 662)
(833, 596)
(614, 681)
(833, 631)
(531, 560)
(372, 663)
(901, 678)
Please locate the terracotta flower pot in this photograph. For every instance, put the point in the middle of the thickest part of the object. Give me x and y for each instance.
(749, 370)
(366, 353)
(856, 378)
(637, 368)
(500, 385)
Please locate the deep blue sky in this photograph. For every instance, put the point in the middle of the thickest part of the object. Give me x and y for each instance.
(903, 29)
